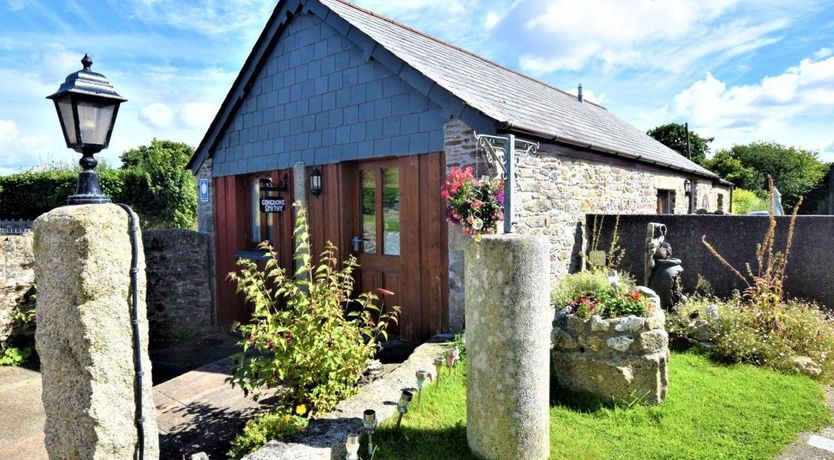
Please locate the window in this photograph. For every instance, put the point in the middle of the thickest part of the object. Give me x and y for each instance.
(720, 202)
(255, 210)
(380, 209)
(665, 201)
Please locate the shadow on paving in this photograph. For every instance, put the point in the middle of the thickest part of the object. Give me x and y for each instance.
(205, 428)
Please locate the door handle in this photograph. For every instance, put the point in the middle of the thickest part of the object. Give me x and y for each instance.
(357, 243)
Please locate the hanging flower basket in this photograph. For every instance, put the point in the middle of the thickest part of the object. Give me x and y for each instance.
(476, 205)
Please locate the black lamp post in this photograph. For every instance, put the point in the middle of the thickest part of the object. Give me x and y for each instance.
(87, 105)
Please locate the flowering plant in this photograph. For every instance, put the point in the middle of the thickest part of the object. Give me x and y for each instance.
(610, 303)
(476, 205)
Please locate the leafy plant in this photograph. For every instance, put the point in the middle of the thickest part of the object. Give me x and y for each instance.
(741, 332)
(475, 205)
(595, 293)
(263, 428)
(765, 288)
(14, 356)
(307, 334)
(615, 251)
(746, 201)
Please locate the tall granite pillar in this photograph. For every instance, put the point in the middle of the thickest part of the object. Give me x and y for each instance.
(508, 322)
(84, 335)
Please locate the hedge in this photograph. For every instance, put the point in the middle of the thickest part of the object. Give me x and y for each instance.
(27, 195)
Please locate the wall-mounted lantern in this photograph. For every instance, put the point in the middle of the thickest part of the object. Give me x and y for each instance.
(687, 186)
(315, 182)
(87, 106)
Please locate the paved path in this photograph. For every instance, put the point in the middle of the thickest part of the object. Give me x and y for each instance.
(197, 411)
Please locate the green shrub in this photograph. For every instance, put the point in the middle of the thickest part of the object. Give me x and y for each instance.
(308, 335)
(745, 201)
(579, 283)
(264, 428)
(766, 335)
(154, 182)
(593, 293)
(14, 356)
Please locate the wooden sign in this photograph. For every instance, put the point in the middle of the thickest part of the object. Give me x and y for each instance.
(272, 204)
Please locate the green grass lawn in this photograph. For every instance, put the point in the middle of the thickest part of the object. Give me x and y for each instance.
(712, 411)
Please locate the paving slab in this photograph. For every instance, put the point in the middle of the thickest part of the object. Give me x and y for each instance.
(21, 423)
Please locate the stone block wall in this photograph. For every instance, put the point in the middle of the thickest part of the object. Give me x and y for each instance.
(554, 193)
(180, 281)
(619, 359)
(16, 276)
(180, 294)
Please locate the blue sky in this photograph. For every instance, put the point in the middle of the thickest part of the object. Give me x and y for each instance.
(738, 70)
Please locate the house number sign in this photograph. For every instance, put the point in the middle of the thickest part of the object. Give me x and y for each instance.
(271, 204)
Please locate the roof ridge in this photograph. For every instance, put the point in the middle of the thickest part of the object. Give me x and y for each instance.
(464, 50)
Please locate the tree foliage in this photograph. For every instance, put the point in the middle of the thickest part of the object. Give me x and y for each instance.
(170, 198)
(795, 171)
(153, 180)
(673, 135)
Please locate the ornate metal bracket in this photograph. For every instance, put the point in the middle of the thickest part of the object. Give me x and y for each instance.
(496, 148)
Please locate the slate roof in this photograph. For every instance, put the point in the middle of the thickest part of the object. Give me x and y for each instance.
(519, 102)
(513, 101)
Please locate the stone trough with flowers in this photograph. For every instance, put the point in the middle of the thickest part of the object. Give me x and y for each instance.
(622, 358)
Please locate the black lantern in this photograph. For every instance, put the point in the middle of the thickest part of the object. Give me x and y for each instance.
(687, 186)
(315, 182)
(87, 106)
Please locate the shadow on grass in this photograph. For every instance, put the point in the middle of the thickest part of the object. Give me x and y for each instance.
(408, 443)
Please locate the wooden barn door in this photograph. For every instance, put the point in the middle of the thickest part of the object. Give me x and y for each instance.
(377, 241)
(399, 238)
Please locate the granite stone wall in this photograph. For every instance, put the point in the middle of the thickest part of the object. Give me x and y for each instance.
(180, 299)
(180, 281)
(555, 192)
(16, 276)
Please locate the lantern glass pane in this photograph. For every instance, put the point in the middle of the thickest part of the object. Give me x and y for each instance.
(64, 105)
(94, 120)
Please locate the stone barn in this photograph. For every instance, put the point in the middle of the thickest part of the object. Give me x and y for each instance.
(361, 117)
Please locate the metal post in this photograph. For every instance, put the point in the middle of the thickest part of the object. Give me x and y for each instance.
(509, 167)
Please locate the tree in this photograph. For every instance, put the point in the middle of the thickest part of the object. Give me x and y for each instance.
(673, 135)
(795, 171)
(159, 171)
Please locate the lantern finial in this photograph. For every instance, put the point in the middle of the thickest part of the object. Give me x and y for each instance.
(87, 62)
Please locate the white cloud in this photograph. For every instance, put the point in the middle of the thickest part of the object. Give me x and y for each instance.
(793, 107)
(198, 115)
(675, 37)
(157, 115)
(823, 53)
(8, 131)
(208, 17)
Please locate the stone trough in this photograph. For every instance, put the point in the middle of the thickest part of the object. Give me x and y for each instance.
(619, 359)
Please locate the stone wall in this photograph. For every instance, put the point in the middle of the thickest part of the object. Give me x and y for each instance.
(619, 359)
(180, 294)
(16, 276)
(554, 193)
(735, 237)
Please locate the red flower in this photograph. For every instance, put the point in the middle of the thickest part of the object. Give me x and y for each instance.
(635, 295)
(384, 292)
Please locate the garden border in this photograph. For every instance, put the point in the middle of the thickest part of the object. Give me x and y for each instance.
(324, 438)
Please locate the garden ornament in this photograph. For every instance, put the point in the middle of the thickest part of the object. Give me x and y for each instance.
(452, 356)
(370, 422)
(352, 447)
(421, 375)
(438, 364)
(664, 278)
(402, 405)
(614, 279)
